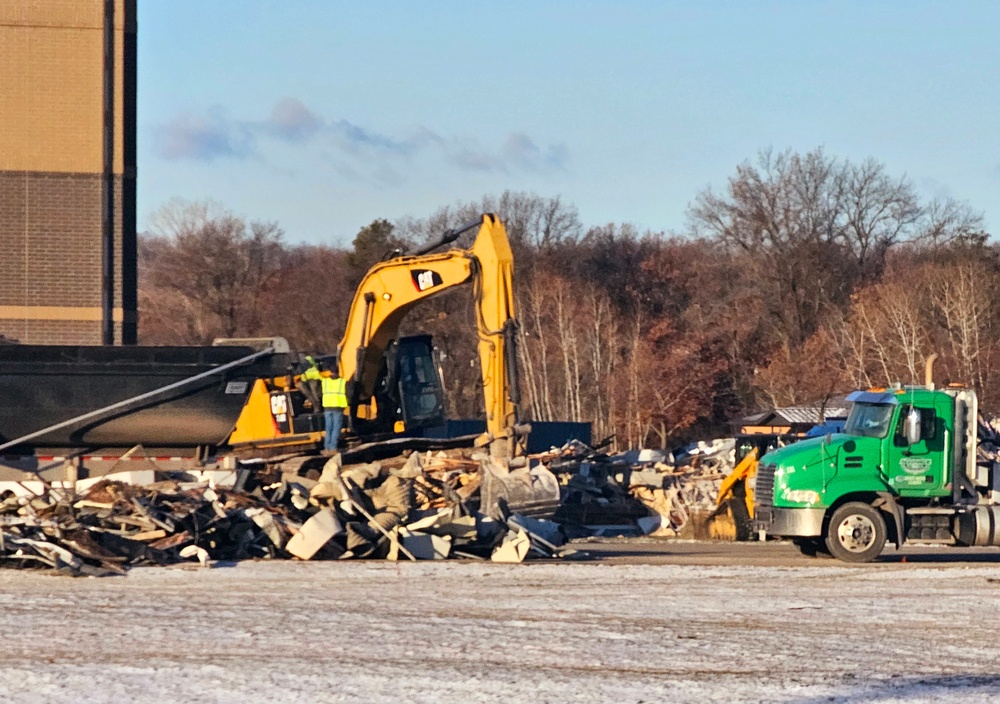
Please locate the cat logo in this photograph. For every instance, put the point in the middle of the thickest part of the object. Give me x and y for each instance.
(424, 279)
(279, 408)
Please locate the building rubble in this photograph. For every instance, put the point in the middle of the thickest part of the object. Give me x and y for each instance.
(640, 492)
(415, 507)
(412, 508)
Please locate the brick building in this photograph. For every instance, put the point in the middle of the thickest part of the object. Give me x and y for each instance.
(67, 171)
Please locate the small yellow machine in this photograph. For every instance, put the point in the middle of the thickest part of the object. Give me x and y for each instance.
(734, 505)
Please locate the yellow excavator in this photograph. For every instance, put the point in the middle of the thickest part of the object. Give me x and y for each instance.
(394, 385)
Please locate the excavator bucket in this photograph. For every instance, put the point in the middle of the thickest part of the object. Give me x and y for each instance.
(530, 492)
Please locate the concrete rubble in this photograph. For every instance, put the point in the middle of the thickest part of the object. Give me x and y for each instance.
(452, 504)
(408, 508)
(644, 492)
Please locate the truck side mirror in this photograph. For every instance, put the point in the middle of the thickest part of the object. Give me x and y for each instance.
(912, 426)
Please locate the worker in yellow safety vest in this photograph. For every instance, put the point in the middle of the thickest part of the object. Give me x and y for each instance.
(312, 371)
(311, 384)
(334, 403)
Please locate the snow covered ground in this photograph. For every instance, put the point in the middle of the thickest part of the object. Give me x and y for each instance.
(478, 632)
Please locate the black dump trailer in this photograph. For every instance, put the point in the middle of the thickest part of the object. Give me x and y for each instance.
(76, 397)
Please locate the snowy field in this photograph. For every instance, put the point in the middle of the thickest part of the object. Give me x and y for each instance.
(477, 632)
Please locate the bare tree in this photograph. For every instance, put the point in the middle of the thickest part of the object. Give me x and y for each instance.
(216, 267)
(310, 298)
(946, 222)
(782, 213)
(813, 227)
(878, 212)
(966, 318)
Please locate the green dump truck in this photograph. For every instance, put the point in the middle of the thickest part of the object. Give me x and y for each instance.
(905, 469)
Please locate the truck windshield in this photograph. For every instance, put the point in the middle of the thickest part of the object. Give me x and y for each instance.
(869, 419)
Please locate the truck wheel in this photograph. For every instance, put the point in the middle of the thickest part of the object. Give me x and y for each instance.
(856, 533)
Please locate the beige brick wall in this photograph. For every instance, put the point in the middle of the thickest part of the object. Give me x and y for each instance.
(52, 13)
(52, 83)
(51, 158)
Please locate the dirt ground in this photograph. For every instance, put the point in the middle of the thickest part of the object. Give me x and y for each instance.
(647, 621)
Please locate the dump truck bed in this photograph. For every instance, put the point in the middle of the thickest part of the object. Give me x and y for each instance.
(44, 385)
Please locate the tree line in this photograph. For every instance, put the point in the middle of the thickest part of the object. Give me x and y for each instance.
(804, 277)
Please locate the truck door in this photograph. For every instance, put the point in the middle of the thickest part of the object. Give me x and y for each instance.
(918, 469)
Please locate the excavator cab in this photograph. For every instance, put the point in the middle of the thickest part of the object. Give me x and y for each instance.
(409, 393)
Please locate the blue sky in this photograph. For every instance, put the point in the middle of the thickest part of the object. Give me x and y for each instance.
(324, 116)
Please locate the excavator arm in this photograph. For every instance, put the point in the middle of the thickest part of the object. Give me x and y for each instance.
(735, 503)
(497, 328)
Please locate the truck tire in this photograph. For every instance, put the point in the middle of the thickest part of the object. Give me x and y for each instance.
(856, 532)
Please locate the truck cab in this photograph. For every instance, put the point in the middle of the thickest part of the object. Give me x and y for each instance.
(904, 468)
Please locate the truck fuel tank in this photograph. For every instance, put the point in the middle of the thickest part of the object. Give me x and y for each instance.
(978, 526)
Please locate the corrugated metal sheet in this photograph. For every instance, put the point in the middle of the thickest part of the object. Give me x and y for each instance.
(810, 414)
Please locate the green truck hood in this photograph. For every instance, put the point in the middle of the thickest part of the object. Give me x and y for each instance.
(804, 470)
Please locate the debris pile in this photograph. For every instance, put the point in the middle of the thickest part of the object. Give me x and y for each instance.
(453, 503)
(420, 507)
(639, 492)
